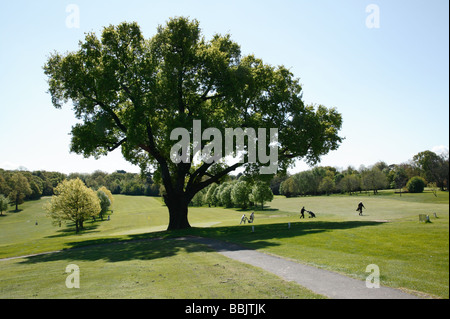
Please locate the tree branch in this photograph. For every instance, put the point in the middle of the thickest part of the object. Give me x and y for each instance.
(197, 187)
(116, 145)
(200, 172)
(206, 92)
(212, 97)
(108, 110)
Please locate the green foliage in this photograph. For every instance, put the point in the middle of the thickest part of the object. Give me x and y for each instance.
(327, 180)
(240, 194)
(210, 198)
(225, 195)
(433, 167)
(75, 202)
(397, 176)
(19, 189)
(105, 203)
(43, 183)
(337, 240)
(3, 204)
(131, 92)
(107, 193)
(373, 179)
(261, 193)
(199, 198)
(289, 187)
(416, 184)
(327, 185)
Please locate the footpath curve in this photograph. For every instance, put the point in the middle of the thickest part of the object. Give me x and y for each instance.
(323, 282)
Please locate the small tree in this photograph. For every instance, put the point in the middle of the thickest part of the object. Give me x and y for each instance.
(240, 193)
(349, 183)
(398, 177)
(289, 187)
(73, 201)
(210, 199)
(327, 185)
(416, 184)
(3, 204)
(434, 188)
(105, 202)
(199, 198)
(374, 179)
(20, 188)
(261, 193)
(225, 195)
(108, 193)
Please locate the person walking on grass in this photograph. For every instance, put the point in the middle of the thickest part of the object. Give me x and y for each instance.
(360, 208)
(302, 212)
(252, 217)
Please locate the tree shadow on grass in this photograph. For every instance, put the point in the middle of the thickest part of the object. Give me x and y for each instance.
(69, 229)
(263, 235)
(166, 244)
(117, 251)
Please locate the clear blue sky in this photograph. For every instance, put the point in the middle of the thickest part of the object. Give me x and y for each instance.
(391, 83)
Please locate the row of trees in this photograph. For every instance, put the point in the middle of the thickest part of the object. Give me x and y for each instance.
(18, 186)
(120, 182)
(242, 193)
(327, 180)
(433, 170)
(425, 168)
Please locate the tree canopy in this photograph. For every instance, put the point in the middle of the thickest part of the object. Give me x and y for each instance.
(73, 201)
(131, 92)
(19, 189)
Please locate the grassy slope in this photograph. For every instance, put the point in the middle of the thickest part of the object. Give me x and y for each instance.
(410, 254)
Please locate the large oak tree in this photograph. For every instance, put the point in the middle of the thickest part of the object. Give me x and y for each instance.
(131, 92)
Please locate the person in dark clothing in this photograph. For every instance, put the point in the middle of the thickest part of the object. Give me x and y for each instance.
(302, 212)
(360, 208)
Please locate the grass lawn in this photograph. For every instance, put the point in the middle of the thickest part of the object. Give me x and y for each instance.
(143, 269)
(411, 255)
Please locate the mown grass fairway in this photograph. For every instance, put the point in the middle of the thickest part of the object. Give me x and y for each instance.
(115, 261)
(144, 269)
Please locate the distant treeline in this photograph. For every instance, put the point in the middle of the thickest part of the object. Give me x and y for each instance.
(433, 169)
(427, 166)
(34, 185)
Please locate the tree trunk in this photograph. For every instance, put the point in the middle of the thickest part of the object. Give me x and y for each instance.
(178, 212)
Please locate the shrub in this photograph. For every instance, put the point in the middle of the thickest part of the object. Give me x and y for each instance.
(416, 184)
